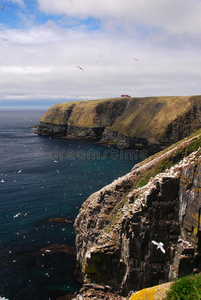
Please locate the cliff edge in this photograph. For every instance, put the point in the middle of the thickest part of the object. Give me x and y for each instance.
(152, 122)
(159, 200)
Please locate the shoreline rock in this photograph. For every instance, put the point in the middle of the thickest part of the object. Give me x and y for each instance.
(57, 220)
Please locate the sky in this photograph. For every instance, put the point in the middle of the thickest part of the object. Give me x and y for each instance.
(54, 51)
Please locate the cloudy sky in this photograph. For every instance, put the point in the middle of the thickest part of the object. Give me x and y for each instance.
(54, 51)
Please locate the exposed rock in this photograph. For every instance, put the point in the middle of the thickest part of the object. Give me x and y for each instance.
(153, 122)
(57, 220)
(156, 292)
(58, 248)
(97, 292)
(158, 200)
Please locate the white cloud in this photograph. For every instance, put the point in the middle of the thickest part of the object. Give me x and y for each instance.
(145, 49)
(172, 16)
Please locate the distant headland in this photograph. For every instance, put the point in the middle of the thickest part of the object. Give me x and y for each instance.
(153, 122)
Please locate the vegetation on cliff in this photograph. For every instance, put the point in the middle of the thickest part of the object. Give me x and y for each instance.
(187, 288)
(184, 288)
(169, 157)
(153, 121)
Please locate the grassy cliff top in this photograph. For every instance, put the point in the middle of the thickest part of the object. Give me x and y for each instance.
(83, 112)
(151, 114)
(166, 108)
(147, 118)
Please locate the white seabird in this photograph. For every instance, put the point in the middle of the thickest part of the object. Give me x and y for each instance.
(17, 215)
(159, 245)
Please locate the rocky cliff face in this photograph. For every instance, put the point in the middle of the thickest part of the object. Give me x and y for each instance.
(154, 122)
(81, 118)
(159, 200)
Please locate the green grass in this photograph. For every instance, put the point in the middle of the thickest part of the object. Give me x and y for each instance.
(149, 117)
(169, 161)
(197, 133)
(136, 117)
(185, 288)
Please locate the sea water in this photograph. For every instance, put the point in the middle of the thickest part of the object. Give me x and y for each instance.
(44, 178)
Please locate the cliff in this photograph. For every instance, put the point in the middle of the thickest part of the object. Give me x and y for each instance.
(153, 122)
(160, 200)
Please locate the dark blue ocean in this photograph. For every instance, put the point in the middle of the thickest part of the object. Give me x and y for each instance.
(43, 179)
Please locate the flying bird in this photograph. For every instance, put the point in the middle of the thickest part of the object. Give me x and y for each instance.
(2, 7)
(135, 59)
(80, 68)
(17, 215)
(159, 245)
